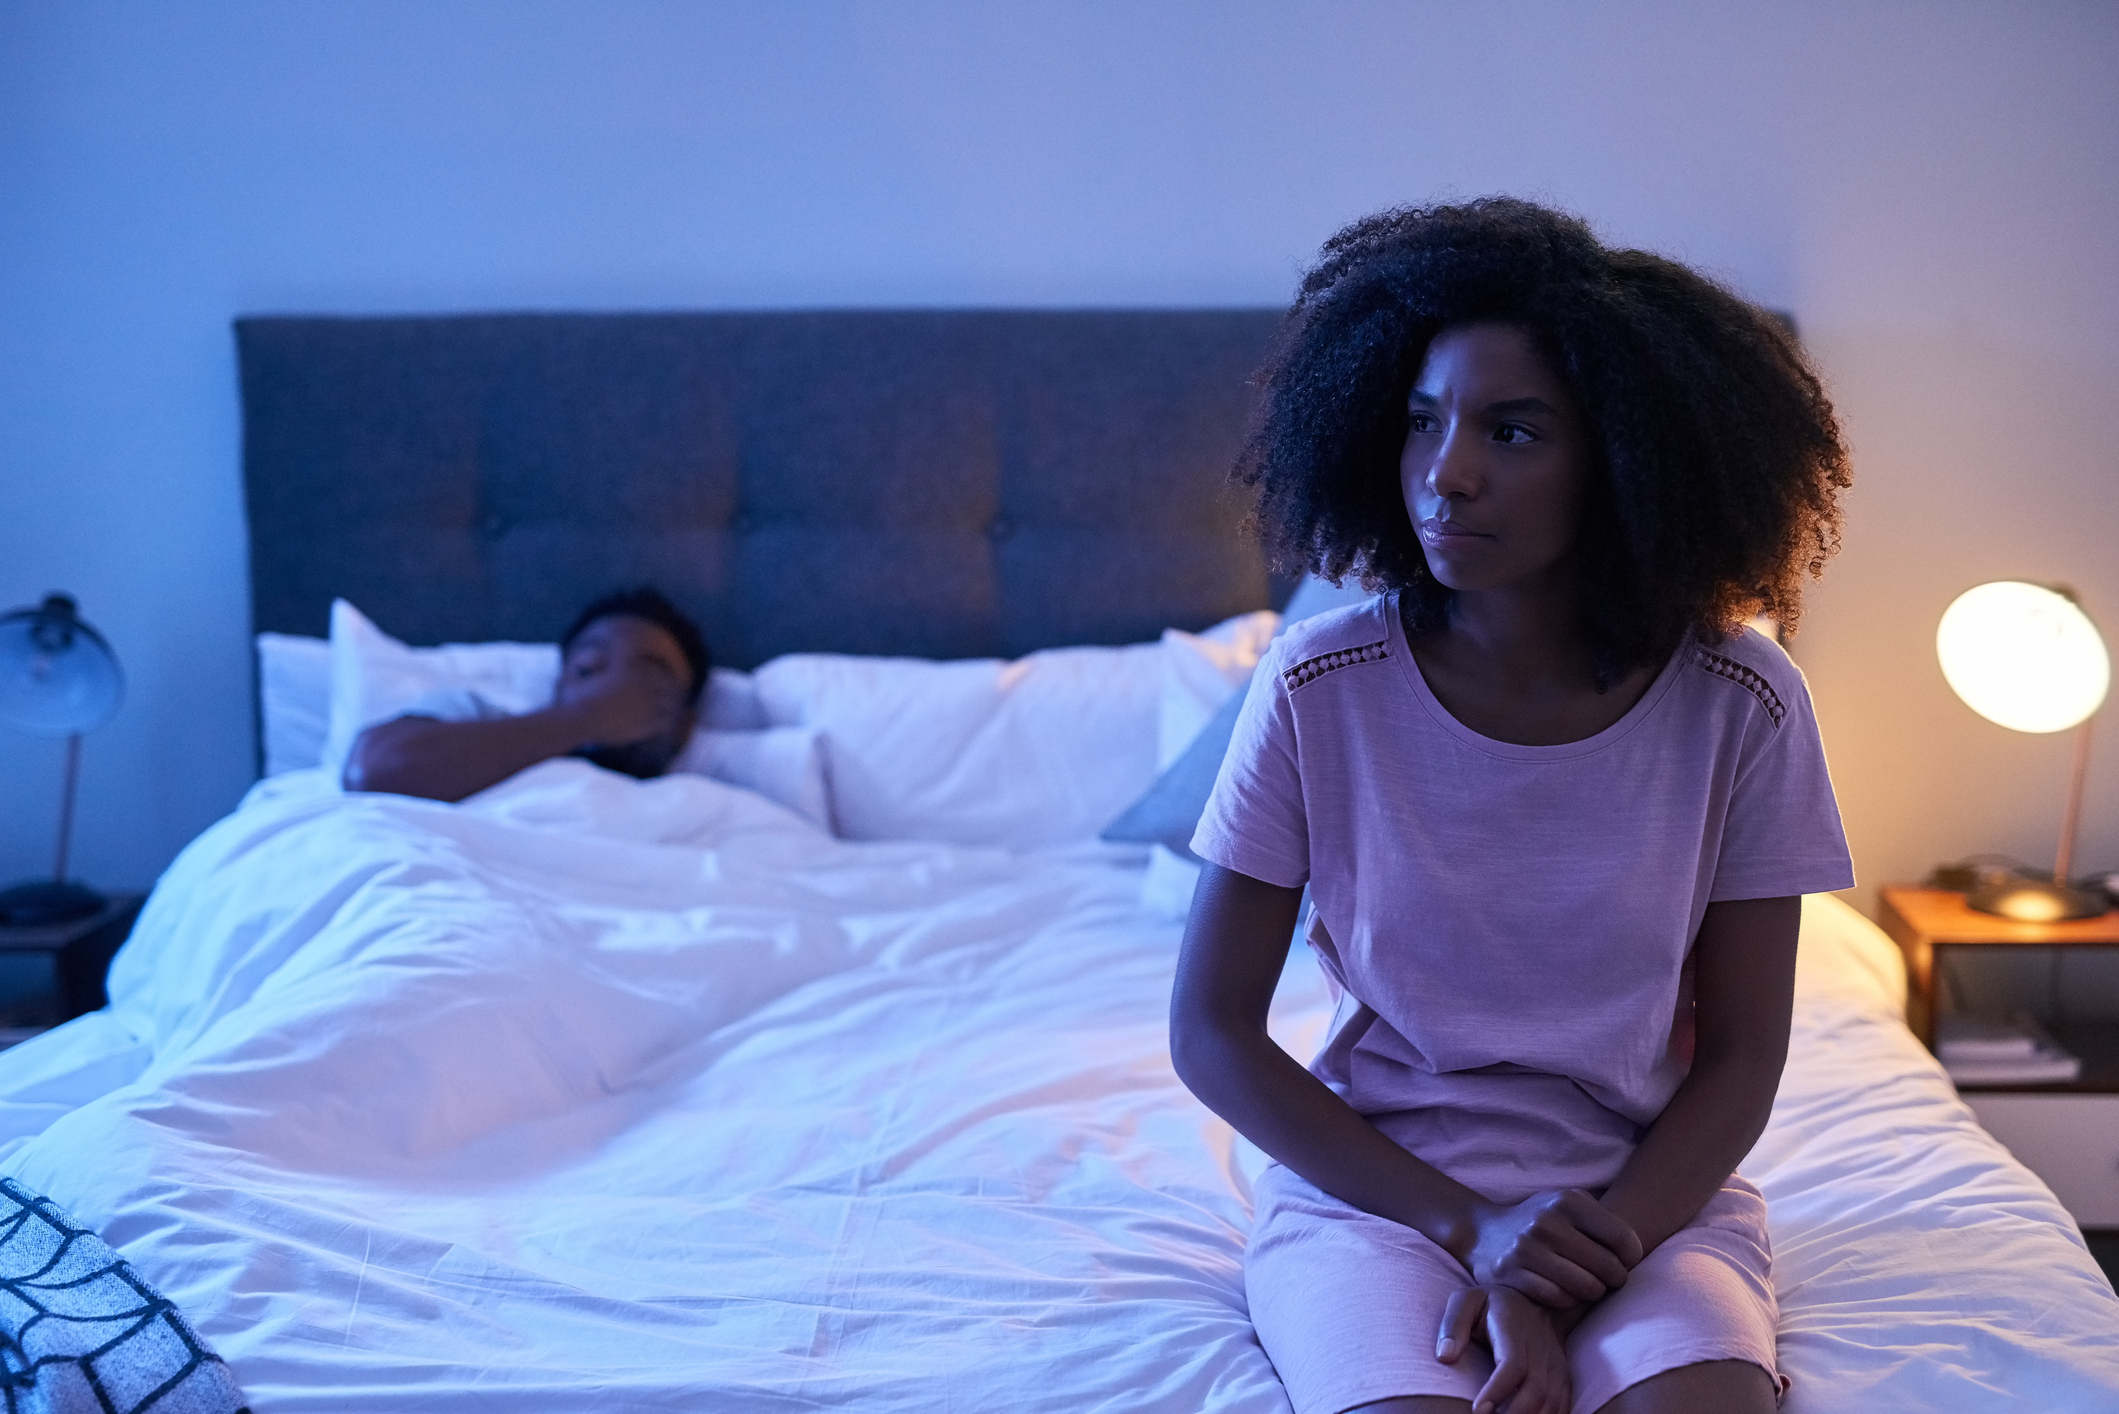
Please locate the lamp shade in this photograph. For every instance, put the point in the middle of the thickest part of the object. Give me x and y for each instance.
(57, 675)
(2023, 656)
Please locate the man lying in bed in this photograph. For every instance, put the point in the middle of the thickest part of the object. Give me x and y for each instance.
(631, 671)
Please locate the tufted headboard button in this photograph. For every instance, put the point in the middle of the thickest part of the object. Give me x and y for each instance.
(494, 526)
(743, 523)
(999, 529)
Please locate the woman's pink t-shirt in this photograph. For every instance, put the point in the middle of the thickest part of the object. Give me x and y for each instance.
(1508, 926)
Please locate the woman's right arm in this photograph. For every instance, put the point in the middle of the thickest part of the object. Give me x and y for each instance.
(1236, 942)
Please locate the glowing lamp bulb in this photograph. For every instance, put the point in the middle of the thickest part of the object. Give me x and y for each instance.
(2023, 656)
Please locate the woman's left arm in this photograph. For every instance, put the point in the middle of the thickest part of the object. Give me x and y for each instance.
(1743, 995)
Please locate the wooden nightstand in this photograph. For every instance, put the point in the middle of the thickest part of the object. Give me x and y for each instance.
(80, 952)
(2067, 1133)
(1922, 920)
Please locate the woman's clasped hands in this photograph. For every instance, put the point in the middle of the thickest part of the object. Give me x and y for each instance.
(1560, 1248)
(1537, 1266)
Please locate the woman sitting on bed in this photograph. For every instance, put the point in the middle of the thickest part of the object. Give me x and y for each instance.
(631, 671)
(1555, 807)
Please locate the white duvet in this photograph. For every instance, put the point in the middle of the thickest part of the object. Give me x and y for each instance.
(596, 1095)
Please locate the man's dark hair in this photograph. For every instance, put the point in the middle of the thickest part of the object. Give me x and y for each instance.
(647, 602)
(1716, 462)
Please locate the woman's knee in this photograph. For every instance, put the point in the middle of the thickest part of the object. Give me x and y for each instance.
(1414, 1404)
(1725, 1386)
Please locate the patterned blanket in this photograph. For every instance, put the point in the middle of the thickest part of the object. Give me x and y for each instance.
(82, 1331)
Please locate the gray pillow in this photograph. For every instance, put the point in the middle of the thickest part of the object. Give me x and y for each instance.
(1169, 812)
(1315, 596)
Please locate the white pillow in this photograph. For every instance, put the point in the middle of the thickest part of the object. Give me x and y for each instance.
(294, 699)
(783, 764)
(732, 703)
(1201, 672)
(1039, 751)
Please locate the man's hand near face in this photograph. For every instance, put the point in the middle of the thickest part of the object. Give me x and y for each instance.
(623, 700)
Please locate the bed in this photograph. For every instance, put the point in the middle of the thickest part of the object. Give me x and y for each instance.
(599, 1095)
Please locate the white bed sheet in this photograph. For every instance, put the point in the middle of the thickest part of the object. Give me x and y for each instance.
(599, 1095)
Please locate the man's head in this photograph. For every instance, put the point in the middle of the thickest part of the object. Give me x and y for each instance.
(638, 666)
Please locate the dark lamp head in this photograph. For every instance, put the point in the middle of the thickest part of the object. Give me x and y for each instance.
(57, 675)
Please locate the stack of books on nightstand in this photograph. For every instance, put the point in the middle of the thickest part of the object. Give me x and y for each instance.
(2010, 1050)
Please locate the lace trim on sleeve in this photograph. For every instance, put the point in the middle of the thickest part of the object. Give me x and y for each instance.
(1311, 669)
(1745, 678)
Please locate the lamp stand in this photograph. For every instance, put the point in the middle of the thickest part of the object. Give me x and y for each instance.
(2032, 900)
(54, 900)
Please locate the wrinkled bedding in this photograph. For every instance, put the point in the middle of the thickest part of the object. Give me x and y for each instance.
(599, 1095)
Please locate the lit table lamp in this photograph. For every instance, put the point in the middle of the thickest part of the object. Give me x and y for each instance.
(2027, 658)
(57, 678)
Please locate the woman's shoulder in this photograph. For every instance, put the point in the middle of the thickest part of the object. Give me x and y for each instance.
(1751, 664)
(1339, 638)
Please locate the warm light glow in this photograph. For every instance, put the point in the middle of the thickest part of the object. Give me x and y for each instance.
(2030, 906)
(2023, 656)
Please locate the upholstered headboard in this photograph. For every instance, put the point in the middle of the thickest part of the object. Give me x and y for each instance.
(944, 484)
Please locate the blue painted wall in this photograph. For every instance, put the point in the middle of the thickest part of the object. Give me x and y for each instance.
(1932, 188)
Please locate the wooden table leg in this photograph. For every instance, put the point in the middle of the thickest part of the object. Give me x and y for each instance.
(1920, 976)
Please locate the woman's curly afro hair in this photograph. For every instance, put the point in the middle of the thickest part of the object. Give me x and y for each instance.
(1717, 460)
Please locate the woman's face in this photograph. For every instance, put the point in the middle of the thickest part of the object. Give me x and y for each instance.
(1495, 461)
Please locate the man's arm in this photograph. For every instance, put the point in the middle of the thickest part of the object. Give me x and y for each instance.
(421, 756)
(1744, 996)
(451, 760)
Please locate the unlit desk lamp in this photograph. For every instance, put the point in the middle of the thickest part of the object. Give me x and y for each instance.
(2027, 658)
(57, 678)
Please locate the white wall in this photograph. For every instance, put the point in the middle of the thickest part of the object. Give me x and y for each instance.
(1932, 188)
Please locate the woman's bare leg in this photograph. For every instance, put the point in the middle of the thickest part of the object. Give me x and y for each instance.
(1723, 1386)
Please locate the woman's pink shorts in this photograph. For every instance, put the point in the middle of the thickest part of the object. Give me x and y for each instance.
(1348, 1304)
